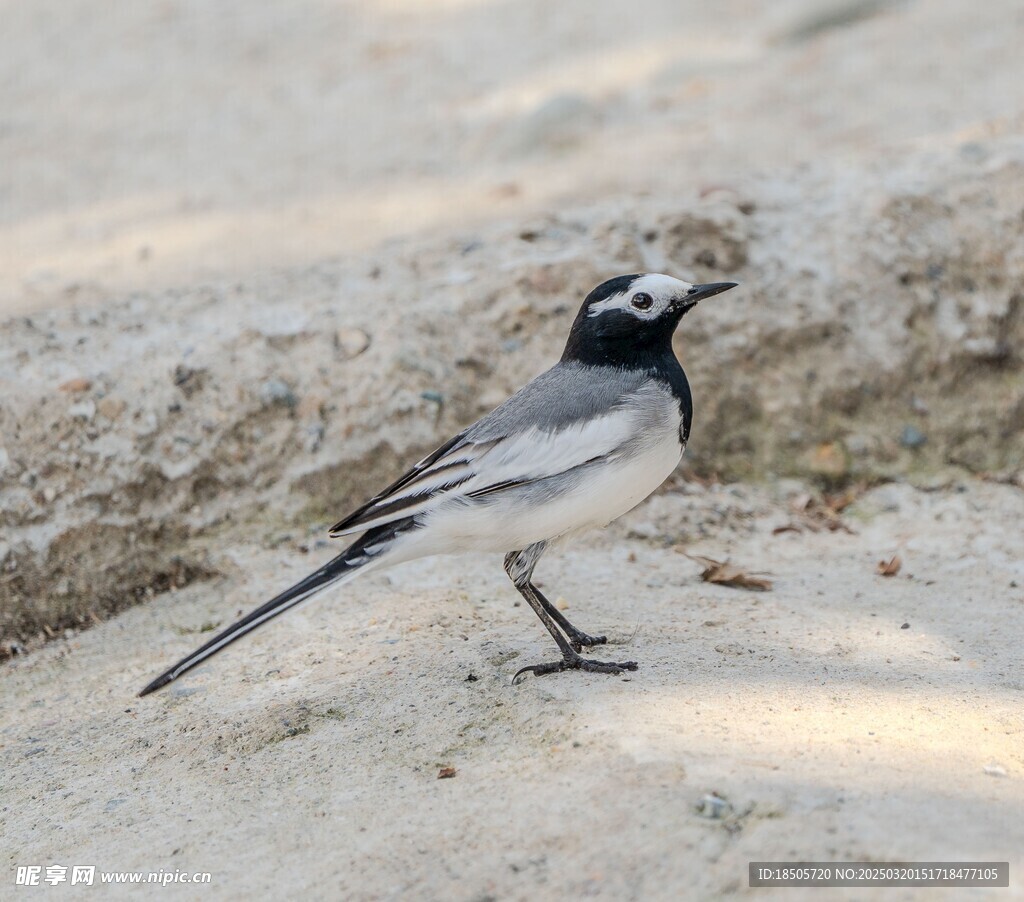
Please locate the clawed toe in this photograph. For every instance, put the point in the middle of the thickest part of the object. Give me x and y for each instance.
(606, 666)
(576, 663)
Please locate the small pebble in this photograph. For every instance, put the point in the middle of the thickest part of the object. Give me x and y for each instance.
(912, 437)
(351, 342)
(713, 807)
(277, 392)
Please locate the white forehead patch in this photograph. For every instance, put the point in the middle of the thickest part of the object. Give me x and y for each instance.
(661, 288)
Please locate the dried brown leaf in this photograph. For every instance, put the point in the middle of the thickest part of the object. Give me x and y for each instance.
(788, 527)
(723, 573)
(890, 567)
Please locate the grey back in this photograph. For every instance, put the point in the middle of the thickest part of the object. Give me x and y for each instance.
(567, 393)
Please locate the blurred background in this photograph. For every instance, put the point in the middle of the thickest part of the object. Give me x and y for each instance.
(157, 144)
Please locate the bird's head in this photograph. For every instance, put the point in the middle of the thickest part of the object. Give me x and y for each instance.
(633, 315)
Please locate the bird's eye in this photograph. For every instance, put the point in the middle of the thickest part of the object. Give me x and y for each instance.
(642, 301)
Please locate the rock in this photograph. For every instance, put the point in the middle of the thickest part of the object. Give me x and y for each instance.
(952, 232)
(277, 393)
(912, 437)
(76, 386)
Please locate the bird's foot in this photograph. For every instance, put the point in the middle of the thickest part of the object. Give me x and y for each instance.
(575, 662)
(580, 640)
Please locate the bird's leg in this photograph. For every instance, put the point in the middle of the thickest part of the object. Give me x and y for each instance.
(577, 638)
(519, 566)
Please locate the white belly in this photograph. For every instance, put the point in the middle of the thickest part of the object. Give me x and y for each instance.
(511, 520)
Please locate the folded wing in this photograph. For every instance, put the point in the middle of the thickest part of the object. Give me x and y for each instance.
(474, 464)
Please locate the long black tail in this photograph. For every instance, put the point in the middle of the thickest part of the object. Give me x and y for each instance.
(344, 564)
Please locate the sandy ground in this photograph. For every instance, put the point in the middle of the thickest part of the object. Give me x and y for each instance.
(842, 715)
(228, 231)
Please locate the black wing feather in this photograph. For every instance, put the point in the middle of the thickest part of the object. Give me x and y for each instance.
(352, 519)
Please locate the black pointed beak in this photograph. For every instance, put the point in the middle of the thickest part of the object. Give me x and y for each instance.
(698, 292)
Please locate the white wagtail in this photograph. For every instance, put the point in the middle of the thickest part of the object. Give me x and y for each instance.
(577, 447)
